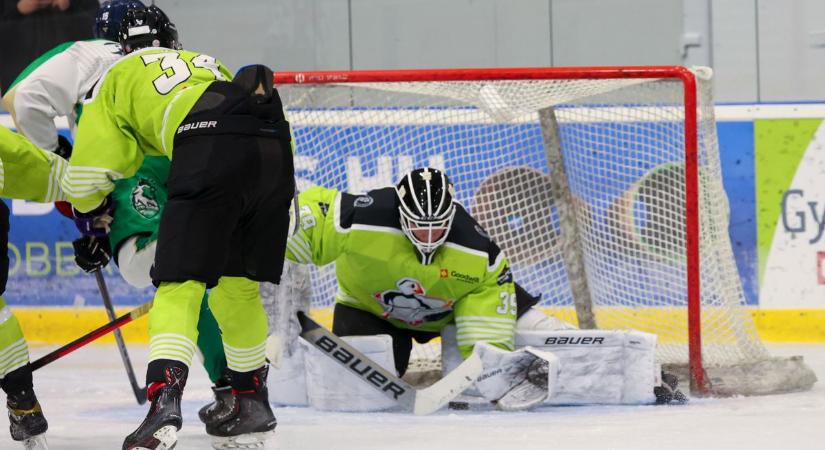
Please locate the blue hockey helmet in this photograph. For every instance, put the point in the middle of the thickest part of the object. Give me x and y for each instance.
(110, 15)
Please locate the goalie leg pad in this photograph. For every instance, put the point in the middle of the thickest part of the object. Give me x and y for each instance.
(535, 319)
(287, 382)
(331, 387)
(599, 367)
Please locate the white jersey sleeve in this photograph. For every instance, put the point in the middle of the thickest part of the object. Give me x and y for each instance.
(57, 86)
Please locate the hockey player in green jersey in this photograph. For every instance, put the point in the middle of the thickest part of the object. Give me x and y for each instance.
(406, 265)
(224, 226)
(55, 85)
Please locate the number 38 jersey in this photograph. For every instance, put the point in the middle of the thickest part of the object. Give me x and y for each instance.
(133, 111)
(379, 270)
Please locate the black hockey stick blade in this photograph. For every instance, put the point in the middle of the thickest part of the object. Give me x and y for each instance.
(420, 402)
(90, 336)
(140, 392)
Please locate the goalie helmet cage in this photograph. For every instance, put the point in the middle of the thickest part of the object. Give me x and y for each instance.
(602, 185)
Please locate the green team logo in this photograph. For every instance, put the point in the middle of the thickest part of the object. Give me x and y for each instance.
(144, 199)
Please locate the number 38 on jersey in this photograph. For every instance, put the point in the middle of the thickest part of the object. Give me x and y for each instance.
(177, 68)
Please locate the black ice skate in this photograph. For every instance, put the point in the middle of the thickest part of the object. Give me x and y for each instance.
(26, 420)
(248, 421)
(216, 411)
(159, 430)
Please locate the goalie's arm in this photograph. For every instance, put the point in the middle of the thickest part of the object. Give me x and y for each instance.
(318, 239)
(488, 314)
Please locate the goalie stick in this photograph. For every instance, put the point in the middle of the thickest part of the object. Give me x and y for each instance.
(91, 336)
(140, 392)
(419, 401)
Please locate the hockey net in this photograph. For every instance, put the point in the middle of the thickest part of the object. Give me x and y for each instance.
(603, 186)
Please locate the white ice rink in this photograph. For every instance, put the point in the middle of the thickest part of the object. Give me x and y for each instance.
(89, 405)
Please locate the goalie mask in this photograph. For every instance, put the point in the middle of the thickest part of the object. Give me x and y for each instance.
(426, 209)
(148, 27)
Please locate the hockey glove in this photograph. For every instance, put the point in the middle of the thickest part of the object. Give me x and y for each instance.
(92, 253)
(95, 222)
(64, 147)
(518, 380)
(667, 393)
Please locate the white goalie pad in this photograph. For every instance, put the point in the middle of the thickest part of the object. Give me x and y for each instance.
(287, 375)
(281, 303)
(287, 382)
(331, 387)
(599, 367)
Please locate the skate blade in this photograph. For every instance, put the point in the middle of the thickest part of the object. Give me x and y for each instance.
(250, 440)
(36, 443)
(167, 439)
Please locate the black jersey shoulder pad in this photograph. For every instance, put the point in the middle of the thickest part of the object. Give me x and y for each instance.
(466, 232)
(378, 207)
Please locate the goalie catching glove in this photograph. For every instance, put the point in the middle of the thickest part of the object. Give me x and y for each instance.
(518, 380)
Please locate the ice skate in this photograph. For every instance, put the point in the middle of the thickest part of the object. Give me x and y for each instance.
(26, 420)
(223, 403)
(159, 430)
(36, 443)
(249, 420)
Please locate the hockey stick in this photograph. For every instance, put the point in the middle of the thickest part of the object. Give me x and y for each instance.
(140, 392)
(91, 336)
(420, 402)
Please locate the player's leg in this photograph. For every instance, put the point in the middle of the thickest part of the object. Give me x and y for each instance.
(192, 250)
(349, 321)
(210, 345)
(236, 304)
(256, 252)
(134, 262)
(173, 331)
(26, 420)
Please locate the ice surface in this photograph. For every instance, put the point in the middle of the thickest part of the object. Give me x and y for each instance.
(89, 404)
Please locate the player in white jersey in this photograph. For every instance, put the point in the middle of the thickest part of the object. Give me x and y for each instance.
(56, 83)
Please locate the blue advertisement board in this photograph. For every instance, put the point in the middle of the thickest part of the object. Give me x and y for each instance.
(43, 272)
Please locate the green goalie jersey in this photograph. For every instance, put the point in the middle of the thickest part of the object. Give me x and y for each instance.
(133, 112)
(379, 270)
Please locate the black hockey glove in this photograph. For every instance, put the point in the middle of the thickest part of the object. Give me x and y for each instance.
(668, 393)
(95, 222)
(64, 147)
(92, 253)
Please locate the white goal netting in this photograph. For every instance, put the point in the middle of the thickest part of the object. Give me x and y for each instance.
(580, 181)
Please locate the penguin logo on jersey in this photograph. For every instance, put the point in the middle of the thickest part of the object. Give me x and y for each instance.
(411, 305)
(144, 199)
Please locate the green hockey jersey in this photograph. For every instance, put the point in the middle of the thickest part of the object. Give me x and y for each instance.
(132, 112)
(139, 202)
(379, 270)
